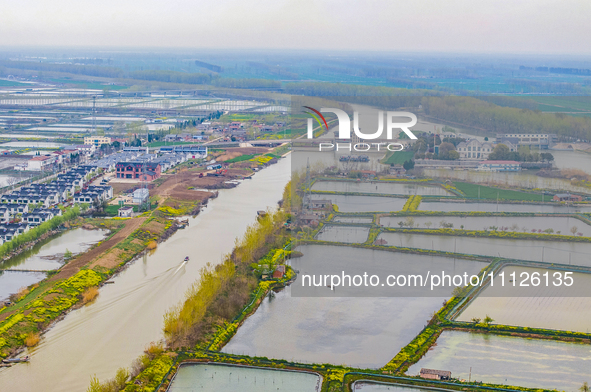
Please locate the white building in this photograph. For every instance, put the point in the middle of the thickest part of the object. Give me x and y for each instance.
(41, 162)
(140, 196)
(499, 166)
(97, 141)
(474, 149)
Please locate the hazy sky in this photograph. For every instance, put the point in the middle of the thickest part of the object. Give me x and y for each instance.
(511, 26)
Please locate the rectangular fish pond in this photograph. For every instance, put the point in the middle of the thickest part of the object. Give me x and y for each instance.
(364, 203)
(532, 363)
(225, 378)
(347, 234)
(501, 207)
(327, 327)
(575, 253)
(520, 224)
(562, 308)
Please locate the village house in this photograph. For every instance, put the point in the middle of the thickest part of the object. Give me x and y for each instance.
(279, 272)
(41, 163)
(125, 212)
(320, 204)
(474, 149)
(433, 374)
(566, 197)
(147, 171)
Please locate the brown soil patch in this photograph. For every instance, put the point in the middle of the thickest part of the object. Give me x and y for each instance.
(229, 155)
(119, 187)
(74, 266)
(51, 296)
(108, 260)
(154, 227)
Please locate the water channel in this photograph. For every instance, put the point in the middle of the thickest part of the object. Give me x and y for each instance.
(127, 315)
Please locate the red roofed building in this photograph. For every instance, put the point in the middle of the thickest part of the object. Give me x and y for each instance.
(279, 272)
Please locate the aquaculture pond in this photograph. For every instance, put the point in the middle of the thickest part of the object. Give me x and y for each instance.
(348, 234)
(353, 219)
(324, 327)
(370, 386)
(364, 203)
(12, 281)
(576, 253)
(49, 254)
(223, 378)
(392, 188)
(501, 207)
(551, 307)
(532, 363)
(521, 224)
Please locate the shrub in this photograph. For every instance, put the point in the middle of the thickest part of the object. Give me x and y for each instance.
(90, 294)
(32, 339)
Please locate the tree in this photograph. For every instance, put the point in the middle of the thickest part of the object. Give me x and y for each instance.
(585, 387)
(487, 320)
(500, 153)
(574, 230)
(546, 156)
(444, 150)
(408, 165)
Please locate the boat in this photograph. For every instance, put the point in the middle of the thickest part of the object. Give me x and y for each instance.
(187, 258)
(16, 360)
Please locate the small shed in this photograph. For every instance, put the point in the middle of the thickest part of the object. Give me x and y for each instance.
(567, 197)
(320, 204)
(434, 374)
(279, 272)
(125, 212)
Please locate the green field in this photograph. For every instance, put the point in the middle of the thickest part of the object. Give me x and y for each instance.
(399, 157)
(241, 158)
(486, 192)
(112, 210)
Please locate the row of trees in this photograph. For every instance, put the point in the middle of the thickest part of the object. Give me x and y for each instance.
(33, 234)
(502, 153)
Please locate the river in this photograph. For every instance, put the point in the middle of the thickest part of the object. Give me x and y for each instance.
(127, 315)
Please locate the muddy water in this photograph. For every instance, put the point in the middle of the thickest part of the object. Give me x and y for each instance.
(509, 360)
(49, 255)
(127, 315)
(11, 282)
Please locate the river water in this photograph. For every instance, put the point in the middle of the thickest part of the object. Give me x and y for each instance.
(114, 330)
